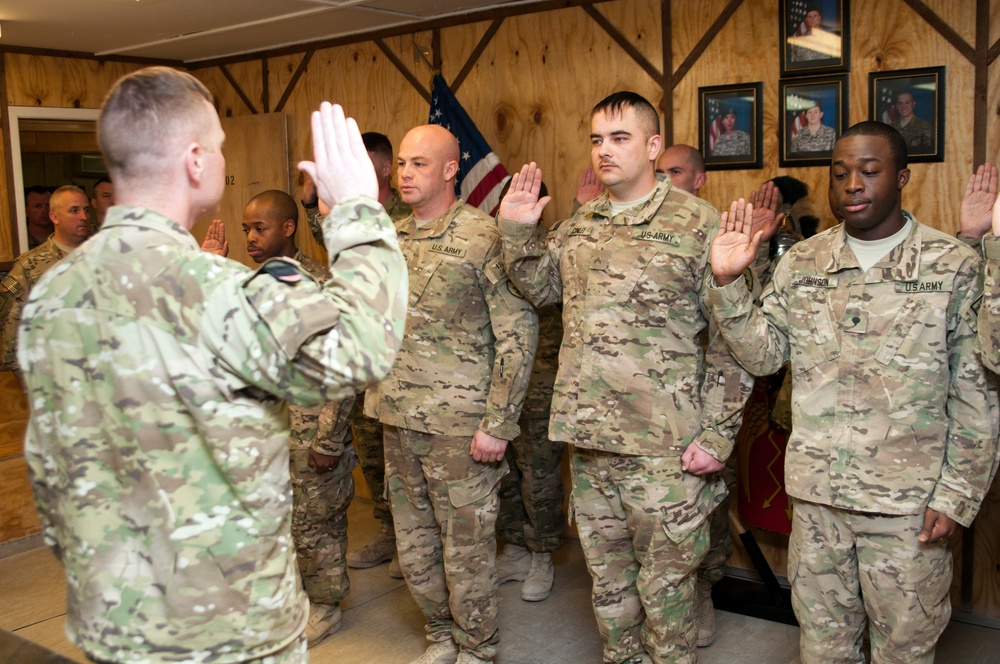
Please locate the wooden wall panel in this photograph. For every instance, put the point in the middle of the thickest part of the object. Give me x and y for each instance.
(35, 80)
(17, 508)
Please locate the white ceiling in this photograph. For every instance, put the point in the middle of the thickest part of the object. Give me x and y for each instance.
(192, 30)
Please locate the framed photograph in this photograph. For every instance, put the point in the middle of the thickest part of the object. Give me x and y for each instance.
(813, 116)
(815, 36)
(912, 102)
(730, 118)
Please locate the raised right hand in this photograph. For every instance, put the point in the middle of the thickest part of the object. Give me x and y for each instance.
(521, 204)
(341, 167)
(735, 247)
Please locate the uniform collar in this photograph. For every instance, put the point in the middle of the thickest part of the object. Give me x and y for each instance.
(437, 227)
(902, 263)
(122, 215)
(601, 207)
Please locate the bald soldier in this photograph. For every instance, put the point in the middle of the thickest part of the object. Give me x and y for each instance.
(67, 211)
(320, 450)
(684, 166)
(451, 402)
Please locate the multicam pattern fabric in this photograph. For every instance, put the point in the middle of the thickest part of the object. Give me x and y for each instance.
(918, 133)
(158, 438)
(470, 335)
(821, 141)
(892, 411)
(633, 376)
(320, 499)
(394, 207)
(531, 494)
(14, 290)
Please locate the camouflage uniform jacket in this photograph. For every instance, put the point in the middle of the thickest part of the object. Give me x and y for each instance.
(633, 376)
(822, 140)
(394, 207)
(892, 411)
(325, 428)
(918, 133)
(470, 335)
(14, 290)
(158, 437)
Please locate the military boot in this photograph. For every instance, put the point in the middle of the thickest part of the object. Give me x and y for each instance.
(705, 616)
(380, 549)
(513, 564)
(538, 585)
(466, 657)
(324, 620)
(439, 652)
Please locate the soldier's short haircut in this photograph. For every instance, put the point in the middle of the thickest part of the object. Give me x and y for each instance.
(35, 189)
(58, 194)
(790, 188)
(872, 128)
(378, 143)
(99, 182)
(143, 117)
(280, 203)
(617, 102)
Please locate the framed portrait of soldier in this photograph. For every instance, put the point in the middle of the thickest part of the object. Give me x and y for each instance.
(811, 119)
(729, 125)
(912, 102)
(815, 36)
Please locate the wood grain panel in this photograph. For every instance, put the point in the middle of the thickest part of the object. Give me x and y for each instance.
(35, 80)
(256, 151)
(17, 516)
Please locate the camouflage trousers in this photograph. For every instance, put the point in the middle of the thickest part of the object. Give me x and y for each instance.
(531, 494)
(444, 505)
(295, 652)
(848, 568)
(720, 547)
(319, 524)
(368, 443)
(643, 526)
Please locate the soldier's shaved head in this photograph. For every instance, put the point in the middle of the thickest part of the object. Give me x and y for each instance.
(428, 166)
(685, 167)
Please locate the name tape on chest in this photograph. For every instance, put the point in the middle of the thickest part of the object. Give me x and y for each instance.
(812, 281)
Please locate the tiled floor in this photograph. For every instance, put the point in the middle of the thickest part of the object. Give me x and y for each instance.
(383, 625)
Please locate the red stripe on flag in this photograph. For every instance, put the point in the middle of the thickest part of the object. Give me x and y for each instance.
(486, 185)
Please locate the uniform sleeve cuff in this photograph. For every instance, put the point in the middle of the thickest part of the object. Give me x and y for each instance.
(718, 446)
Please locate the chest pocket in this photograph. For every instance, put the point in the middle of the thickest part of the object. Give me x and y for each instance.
(917, 336)
(817, 342)
(422, 268)
(660, 281)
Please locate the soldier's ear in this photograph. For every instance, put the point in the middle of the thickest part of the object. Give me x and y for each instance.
(288, 227)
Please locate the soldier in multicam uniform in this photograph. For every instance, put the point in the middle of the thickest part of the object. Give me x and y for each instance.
(894, 436)
(651, 416)
(367, 431)
(322, 456)
(451, 402)
(157, 378)
(732, 142)
(68, 212)
(102, 199)
(916, 132)
(815, 136)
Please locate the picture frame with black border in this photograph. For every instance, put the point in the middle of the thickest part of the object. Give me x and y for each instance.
(730, 121)
(812, 116)
(912, 102)
(815, 37)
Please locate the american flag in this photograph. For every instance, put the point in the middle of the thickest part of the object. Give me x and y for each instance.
(797, 10)
(481, 176)
(715, 126)
(887, 100)
(798, 122)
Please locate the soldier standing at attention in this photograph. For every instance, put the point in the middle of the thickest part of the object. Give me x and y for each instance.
(452, 402)
(321, 453)
(67, 211)
(158, 435)
(650, 414)
(894, 418)
(367, 431)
